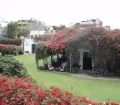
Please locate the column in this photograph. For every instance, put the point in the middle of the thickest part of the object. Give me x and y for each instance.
(81, 58)
(92, 62)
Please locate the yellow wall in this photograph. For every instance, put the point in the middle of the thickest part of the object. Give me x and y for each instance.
(23, 25)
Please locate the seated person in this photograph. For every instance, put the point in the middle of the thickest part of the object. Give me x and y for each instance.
(63, 65)
(50, 67)
(61, 68)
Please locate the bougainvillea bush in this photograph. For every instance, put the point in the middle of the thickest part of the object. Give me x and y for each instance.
(21, 91)
(104, 45)
(59, 40)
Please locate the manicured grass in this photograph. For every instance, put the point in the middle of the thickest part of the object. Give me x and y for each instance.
(97, 90)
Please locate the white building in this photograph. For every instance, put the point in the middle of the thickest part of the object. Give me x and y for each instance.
(49, 29)
(29, 45)
(37, 32)
(107, 27)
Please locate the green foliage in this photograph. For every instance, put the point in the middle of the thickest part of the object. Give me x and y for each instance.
(11, 30)
(75, 57)
(39, 52)
(11, 41)
(42, 52)
(23, 32)
(12, 66)
(59, 27)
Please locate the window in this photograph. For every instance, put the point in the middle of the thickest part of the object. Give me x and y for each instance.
(23, 20)
(29, 21)
(24, 24)
(19, 24)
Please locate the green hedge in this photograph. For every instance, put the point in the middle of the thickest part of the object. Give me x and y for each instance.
(11, 41)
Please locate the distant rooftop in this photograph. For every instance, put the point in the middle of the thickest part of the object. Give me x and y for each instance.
(91, 22)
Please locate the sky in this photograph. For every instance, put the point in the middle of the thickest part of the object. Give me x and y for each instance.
(57, 12)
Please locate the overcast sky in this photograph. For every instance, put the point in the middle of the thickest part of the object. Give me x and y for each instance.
(56, 12)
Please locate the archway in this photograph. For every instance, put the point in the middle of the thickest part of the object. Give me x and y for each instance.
(87, 61)
(33, 48)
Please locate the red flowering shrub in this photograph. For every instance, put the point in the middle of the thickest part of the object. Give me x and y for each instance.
(105, 48)
(59, 40)
(21, 91)
(103, 45)
(9, 49)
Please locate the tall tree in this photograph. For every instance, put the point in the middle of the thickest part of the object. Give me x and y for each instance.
(57, 28)
(23, 33)
(11, 30)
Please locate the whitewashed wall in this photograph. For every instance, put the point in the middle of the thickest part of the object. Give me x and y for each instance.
(37, 32)
(28, 44)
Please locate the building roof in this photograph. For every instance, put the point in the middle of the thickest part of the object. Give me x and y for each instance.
(92, 22)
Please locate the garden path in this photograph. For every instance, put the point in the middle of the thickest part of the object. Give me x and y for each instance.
(88, 76)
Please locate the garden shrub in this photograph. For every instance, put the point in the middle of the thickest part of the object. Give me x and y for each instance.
(21, 91)
(20, 50)
(11, 42)
(10, 49)
(12, 66)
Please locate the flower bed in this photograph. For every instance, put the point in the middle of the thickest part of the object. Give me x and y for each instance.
(21, 91)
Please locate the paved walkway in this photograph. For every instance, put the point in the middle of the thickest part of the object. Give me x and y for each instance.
(101, 78)
(88, 76)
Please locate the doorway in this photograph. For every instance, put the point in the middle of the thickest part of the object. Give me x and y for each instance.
(87, 61)
(33, 48)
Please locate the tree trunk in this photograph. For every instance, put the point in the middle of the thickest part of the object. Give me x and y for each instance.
(43, 61)
(37, 62)
(45, 58)
(57, 54)
(51, 57)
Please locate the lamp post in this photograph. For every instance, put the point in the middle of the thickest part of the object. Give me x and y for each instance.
(70, 62)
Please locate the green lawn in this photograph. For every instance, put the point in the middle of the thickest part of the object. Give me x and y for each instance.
(97, 90)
